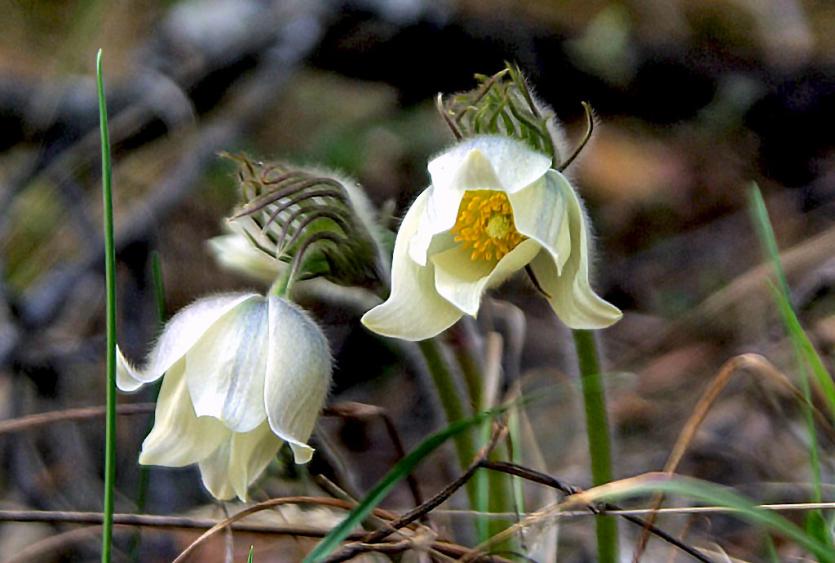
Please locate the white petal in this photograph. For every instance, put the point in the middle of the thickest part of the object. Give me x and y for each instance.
(462, 281)
(481, 163)
(214, 471)
(298, 375)
(251, 232)
(571, 295)
(249, 455)
(513, 164)
(234, 252)
(302, 453)
(179, 437)
(540, 212)
(225, 368)
(473, 172)
(414, 310)
(128, 378)
(180, 334)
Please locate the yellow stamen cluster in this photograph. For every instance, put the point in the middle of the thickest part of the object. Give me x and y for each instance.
(485, 224)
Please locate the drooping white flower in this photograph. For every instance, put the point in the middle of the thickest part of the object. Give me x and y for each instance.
(494, 207)
(244, 373)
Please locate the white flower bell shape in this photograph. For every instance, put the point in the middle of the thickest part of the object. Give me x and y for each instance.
(244, 373)
(494, 207)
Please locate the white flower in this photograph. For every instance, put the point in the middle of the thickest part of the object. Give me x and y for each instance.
(244, 373)
(494, 207)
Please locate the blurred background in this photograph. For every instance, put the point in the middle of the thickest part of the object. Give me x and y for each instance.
(695, 100)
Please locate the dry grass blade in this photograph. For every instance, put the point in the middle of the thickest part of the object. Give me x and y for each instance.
(753, 363)
(39, 550)
(597, 510)
(65, 415)
(272, 503)
(356, 410)
(377, 536)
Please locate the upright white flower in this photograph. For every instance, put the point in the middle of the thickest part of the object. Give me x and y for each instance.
(494, 207)
(244, 373)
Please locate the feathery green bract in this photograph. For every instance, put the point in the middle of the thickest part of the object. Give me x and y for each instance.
(806, 356)
(502, 104)
(399, 472)
(319, 223)
(712, 493)
(110, 282)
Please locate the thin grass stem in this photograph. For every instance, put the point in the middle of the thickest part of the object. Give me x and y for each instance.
(110, 282)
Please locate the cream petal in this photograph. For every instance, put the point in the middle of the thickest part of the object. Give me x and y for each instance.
(513, 164)
(128, 378)
(462, 281)
(414, 310)
(571, 295)
(302, 453)
(249, 455)
(298, 373)
(481, 163)
(225, 368)
(180, 334)
(425, 243)
(474, 172)
(179, 437)
(252, 233)
(214, 471)
(235, 253)
(540, 213)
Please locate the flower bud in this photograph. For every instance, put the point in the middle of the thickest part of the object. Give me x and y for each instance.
(318, 222)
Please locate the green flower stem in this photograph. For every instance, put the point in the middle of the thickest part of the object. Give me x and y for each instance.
(493, 488)
(597, 429)
(454, 409)
(110, 282)
(282, 285)
(471, 370)
(500, 499)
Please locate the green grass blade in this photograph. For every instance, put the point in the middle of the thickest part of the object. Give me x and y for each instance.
(159, 288)
(799, 338)
(771, 550)
(711, 493)
(805, 350)
(251, 557)
(399, 472)
(806, 356)
(110, 281)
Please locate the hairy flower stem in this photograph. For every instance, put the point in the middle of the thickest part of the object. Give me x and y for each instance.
(597, 429)
(281, 286)
(454, 409)
(492, 488)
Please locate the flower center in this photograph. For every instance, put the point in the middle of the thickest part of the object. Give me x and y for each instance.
(485, 225)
